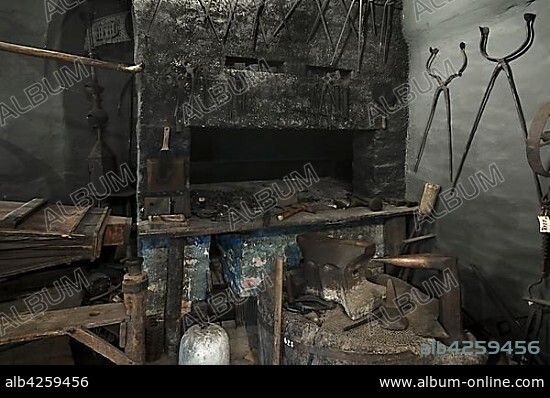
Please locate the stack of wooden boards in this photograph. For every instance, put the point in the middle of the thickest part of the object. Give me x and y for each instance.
(31, 239)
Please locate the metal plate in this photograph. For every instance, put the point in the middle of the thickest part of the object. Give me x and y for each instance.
(109, 30)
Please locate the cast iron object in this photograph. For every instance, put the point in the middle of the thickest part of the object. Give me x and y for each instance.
(375, 204)
(308, 303)
(537, 139)
(337, 269)
(503, 64)
(322, 249)
(443, 88)
(423, 320)
(450, 307)
(387, 314)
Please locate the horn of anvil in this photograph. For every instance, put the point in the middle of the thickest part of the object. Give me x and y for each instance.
(426, 261)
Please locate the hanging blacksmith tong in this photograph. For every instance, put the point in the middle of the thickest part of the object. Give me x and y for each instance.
(386, 31)
(443, 88)
(258, 26)
(209, 19)
(503, 64)
(230, 21)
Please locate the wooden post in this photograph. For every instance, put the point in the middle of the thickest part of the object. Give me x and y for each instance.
(174, 284)
(134, 287)
(278, 311)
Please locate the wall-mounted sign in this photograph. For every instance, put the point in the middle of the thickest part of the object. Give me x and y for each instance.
(111, 29)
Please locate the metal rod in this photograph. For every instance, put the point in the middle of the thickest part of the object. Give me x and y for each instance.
(484, 102)
(343, 31)
(317, 22)
(427, 130)
(324, 22)
(419, 239)
(209, 19)
(66, 57)
(360, 36)
(447, 94)
(286, 17)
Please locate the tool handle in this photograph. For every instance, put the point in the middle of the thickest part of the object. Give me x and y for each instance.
(290, 213)
(166, 140)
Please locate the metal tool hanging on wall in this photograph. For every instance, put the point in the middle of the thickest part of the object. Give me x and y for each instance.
(364, 14)
(259, 26)
(101, 159)
(330, 80)
(287, 16)
(443, 88)
(537, 139)
(230, 20)
(386, 30)
(503, 64)
(209, 20)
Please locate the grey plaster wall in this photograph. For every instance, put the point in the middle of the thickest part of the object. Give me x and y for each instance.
(31, 147)
(498, 230)
(43, 152)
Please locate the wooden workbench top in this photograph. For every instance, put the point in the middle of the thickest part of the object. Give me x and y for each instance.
(332, 217)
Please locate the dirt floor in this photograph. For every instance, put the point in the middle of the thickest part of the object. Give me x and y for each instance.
(57, 351)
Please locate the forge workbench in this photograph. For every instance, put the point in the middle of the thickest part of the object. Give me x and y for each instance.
(177, 255)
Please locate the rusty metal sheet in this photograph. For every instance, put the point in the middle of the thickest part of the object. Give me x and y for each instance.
(117, 232)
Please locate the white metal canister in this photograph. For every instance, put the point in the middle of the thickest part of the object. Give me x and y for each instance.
(204, 345)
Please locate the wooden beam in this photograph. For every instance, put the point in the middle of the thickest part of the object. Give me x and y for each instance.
(14, 218)
(100, 346)
(59, 322)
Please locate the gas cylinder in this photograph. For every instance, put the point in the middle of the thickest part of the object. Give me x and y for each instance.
(206, 344)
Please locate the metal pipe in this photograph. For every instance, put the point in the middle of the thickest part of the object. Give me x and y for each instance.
(66, 57)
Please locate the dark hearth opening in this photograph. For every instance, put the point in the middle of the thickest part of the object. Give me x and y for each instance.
(234, 155)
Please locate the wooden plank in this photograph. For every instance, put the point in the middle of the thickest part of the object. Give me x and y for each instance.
(60, 322)
(20, 266)
(8, 207)
(195, 227)
(278, 310)
(93, 226)
(100, 346)
(174, 286)
(45, 253)
(79, 218)
(15, 217)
